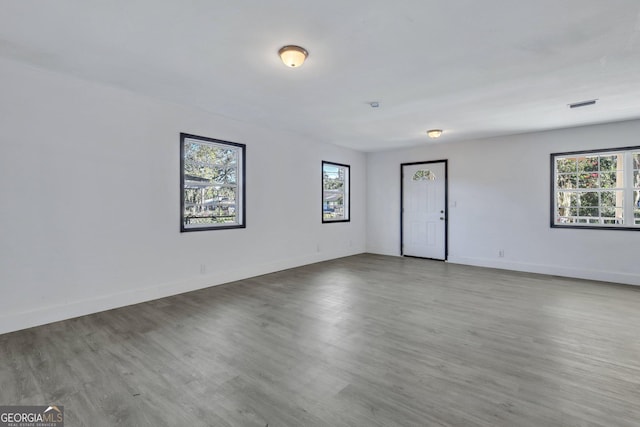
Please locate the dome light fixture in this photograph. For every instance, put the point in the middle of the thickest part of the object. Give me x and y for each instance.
(434, 133)
(293, 56)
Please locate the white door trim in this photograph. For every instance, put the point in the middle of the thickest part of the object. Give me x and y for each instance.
(446, 203)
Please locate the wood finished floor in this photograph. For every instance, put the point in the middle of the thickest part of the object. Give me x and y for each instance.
(360, 341)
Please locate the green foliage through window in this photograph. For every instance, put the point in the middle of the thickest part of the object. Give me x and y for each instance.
(597, 188)
(212, 183)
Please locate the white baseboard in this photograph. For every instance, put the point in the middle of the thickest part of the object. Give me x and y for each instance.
(382, 251)
(554, 270)
(14, 321)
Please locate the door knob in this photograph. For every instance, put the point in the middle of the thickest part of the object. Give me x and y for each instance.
(442, 217)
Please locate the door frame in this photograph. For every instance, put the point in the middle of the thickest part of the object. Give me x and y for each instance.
(446, 205)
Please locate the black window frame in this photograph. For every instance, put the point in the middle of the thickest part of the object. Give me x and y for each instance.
(241, 186)
(627, 188)
(347, 195)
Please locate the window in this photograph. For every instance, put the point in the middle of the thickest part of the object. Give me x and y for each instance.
(424, 175)
(596, 189)
(335, 192)
(211, 184)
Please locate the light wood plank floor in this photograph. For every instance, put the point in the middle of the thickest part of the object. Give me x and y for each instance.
(361, 341)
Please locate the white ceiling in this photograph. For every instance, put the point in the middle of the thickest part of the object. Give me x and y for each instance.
(473, 68)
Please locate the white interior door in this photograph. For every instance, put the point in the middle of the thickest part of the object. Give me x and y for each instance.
(424, 210)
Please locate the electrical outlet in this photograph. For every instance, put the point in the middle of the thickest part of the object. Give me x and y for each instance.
(203, 269)
(501, 253)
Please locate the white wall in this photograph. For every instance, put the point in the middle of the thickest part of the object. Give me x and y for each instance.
(89, 193)
(499, 198)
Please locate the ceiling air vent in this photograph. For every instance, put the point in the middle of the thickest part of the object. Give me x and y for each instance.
(583, 103)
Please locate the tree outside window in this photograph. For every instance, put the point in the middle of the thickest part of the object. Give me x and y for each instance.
(596, 189)
(212, 183)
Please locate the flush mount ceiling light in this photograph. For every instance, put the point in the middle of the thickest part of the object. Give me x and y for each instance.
(293, 56)
(434, 133)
